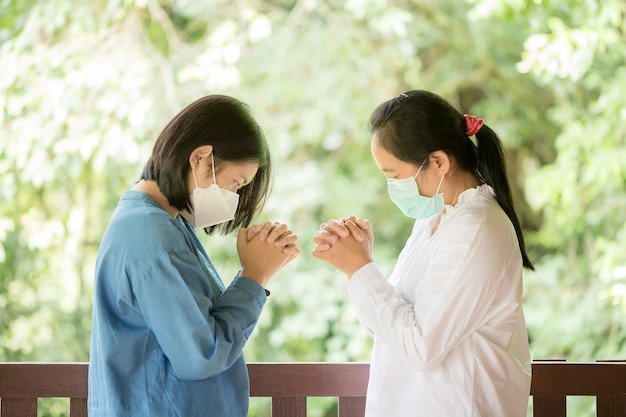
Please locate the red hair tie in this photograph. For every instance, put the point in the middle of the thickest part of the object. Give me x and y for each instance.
(473, 124)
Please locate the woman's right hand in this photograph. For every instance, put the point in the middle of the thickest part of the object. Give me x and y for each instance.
(261, 258)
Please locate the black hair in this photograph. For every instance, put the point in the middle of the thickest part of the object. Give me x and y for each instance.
(417, 123)
(227, 124)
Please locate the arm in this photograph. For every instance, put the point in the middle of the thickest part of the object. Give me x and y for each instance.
(199, 336)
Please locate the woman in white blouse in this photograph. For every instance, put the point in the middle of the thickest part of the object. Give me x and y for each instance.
(448, 326)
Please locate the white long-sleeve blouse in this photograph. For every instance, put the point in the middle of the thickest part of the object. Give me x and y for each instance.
(449, 332)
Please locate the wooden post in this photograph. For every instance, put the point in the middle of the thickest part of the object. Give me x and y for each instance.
(545, 405)
(612, 405)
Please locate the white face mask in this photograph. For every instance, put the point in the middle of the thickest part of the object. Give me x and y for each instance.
(212, 205)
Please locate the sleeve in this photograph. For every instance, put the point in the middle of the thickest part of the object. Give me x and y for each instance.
(200, 337)
(451, 301)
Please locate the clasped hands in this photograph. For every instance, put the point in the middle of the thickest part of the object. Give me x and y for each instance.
(345, 243)
(264, 249)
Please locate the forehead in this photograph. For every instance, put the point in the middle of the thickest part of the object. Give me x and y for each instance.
(385, 160)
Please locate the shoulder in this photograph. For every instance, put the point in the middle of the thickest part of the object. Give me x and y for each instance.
(139, 223)
(479, 216)
(478, 236)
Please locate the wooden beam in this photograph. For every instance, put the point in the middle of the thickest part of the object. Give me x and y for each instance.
(580, 378)
(45, 380)
(277, 379)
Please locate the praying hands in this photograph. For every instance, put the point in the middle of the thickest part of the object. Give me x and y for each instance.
(345, 243)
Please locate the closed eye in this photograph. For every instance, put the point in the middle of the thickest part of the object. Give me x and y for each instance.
(239, 185)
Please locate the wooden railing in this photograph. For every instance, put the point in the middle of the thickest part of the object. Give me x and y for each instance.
(290, 384)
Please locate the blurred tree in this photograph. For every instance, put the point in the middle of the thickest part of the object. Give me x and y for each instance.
(579, 55)
(87, 86)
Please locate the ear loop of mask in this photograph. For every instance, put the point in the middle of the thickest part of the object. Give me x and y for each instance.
(193, 172)
(419, 170)
(213, 168)
(440, 181)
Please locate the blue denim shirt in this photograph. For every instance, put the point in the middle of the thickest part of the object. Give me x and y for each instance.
(167, 335)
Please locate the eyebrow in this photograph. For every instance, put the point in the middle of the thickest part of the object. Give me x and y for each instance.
(388, 170)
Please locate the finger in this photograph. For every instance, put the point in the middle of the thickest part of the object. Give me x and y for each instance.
(278, 229)
(355, 230)
(321, 255)
(241, 237)
(265, 230)
(321, 247)
(322, 236)
(292, 250)
(253, 231)
(336, 226)
(363, 223)
(350, 218)
(295, 255)
(290, 239)
(366, 225)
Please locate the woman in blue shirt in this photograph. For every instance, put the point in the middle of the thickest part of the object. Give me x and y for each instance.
(168, 334)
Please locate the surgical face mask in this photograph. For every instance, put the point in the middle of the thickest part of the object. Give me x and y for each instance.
(405, 194)
(212, 205)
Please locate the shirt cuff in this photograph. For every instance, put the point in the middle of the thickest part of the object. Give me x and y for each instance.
(368, 278)
(251, 288)
(267, 292)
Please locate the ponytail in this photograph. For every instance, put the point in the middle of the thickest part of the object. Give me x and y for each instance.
(492, 170)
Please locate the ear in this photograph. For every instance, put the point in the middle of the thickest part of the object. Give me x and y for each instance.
(439, 162)
(198, 154)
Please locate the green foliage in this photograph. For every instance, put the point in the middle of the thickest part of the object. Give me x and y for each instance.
(582, 194)
(87, 86)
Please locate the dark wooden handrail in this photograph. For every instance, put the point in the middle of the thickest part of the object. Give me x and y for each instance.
(289, 385)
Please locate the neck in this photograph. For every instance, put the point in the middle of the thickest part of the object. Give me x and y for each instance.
(459, 183)
(151, 188)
